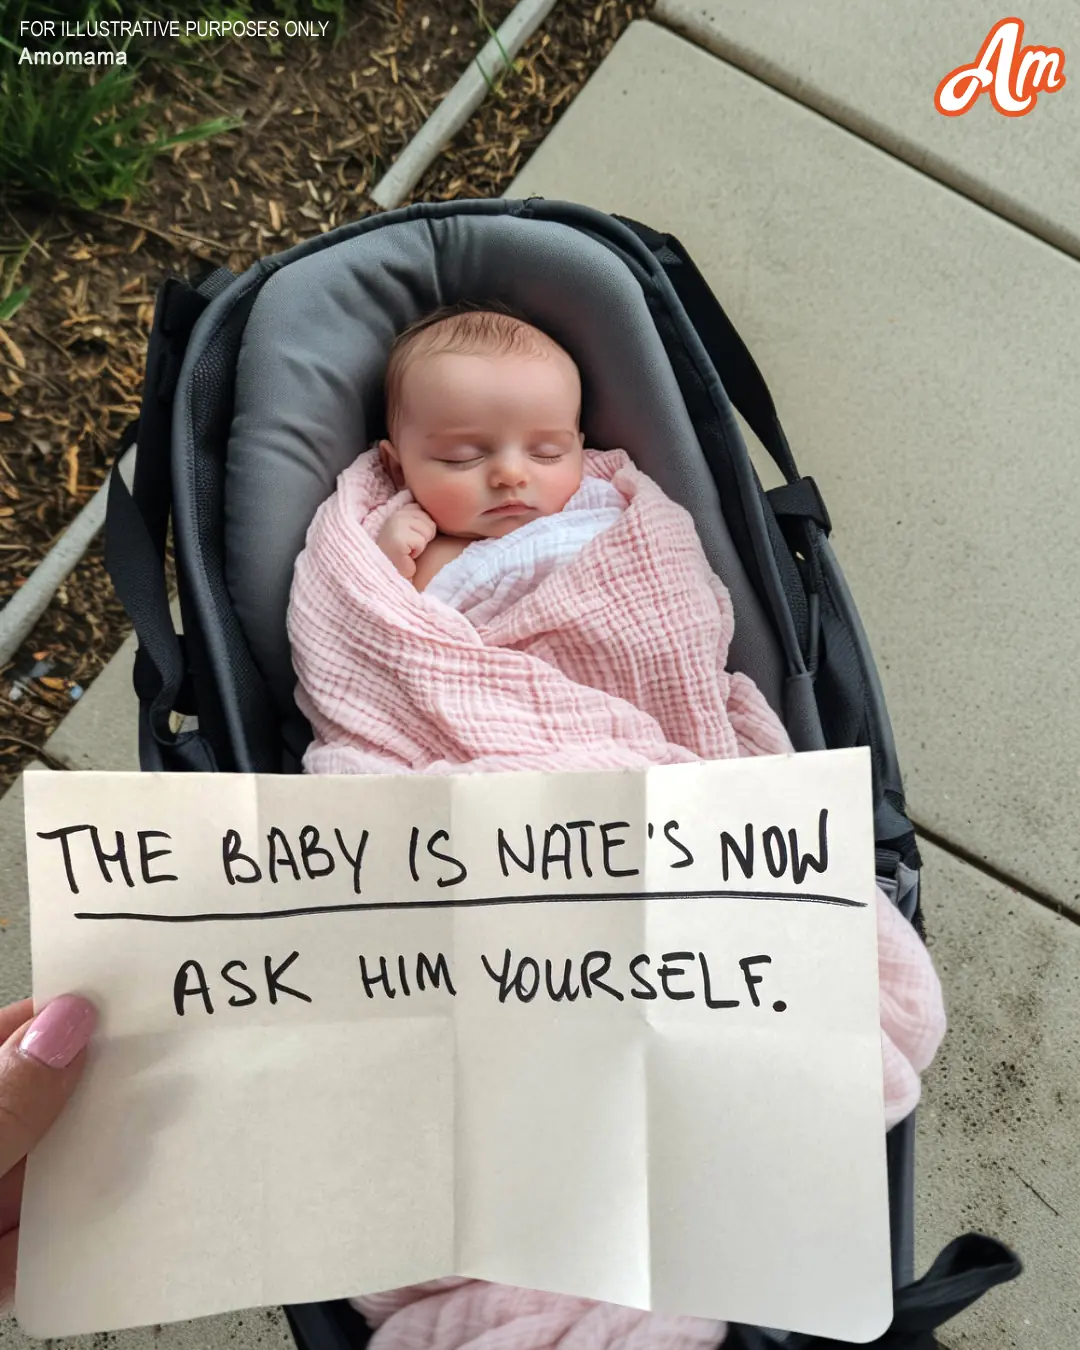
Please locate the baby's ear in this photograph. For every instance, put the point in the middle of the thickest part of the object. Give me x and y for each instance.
(389, 459)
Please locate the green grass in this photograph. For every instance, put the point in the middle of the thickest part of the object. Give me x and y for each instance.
(86, 136)
(70, 142)
(494, 86)
(12, 298)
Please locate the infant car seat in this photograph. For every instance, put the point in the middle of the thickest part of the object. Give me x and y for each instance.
(261, 388)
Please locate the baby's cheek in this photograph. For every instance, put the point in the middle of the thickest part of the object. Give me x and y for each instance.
(448, 504)
(564, 485)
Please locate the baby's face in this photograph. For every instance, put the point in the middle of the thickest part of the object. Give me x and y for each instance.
(487, 443)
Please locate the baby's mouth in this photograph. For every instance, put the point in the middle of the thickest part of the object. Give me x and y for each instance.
(507, 509)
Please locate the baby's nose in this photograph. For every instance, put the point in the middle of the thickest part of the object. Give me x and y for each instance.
(508, 469)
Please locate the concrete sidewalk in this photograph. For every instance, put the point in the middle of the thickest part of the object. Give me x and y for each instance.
(919, 351)
(874, 68)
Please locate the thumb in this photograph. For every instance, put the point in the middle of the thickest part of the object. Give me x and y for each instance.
(40, 1064)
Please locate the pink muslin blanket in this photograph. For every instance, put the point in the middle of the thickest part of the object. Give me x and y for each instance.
(614, 659)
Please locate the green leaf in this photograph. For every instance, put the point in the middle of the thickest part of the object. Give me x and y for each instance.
(203, 132)
(13, 303)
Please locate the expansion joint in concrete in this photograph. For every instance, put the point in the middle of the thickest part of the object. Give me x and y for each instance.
(882, 137)
(962, 854)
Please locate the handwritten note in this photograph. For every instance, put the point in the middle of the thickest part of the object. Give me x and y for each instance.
(613, 1035)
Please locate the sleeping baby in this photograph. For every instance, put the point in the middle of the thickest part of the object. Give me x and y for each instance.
(481, 558)
(483, 593)
(482, 411)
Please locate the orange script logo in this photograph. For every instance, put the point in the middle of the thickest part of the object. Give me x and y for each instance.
(1013, 74)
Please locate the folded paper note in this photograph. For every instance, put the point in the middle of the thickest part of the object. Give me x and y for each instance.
(613, 1035)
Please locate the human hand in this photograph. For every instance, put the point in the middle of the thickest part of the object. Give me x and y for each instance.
(405, 536)
(40, 1063)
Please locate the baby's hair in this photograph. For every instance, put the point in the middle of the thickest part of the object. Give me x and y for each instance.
(467, 326)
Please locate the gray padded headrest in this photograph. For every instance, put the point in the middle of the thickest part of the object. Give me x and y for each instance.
(309, 395)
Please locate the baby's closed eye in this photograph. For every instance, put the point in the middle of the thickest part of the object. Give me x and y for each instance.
(469, 455)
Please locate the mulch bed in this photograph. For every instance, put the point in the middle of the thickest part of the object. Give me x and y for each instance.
(321, 124)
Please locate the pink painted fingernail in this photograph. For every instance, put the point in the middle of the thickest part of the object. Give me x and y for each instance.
(59, 1031)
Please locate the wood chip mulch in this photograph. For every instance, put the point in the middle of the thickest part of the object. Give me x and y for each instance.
(321, 123)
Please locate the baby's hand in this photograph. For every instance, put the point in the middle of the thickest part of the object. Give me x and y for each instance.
(405, 536)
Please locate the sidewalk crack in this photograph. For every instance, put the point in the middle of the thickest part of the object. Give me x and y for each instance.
(965, 855)
(897, 144)
(1033, 1191)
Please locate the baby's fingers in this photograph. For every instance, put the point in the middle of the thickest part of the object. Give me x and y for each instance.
(420, 520)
